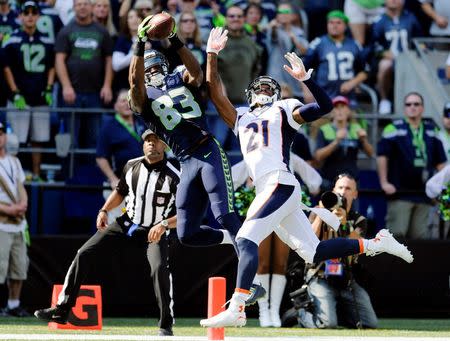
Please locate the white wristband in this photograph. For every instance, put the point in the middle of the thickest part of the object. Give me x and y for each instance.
(209, 49)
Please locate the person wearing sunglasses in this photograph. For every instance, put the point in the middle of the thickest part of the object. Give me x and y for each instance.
(30, 75)
(189, 33)
(409, 152)
(284, 36)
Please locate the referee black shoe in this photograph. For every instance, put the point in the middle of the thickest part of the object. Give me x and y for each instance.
(54, 314)
(165, 332)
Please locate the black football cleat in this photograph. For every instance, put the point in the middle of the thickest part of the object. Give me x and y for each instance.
(54, 314)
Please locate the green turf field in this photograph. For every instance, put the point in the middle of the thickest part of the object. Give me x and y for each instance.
(190, 327)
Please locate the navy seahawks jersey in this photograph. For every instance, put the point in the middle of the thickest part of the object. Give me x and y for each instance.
(395, 34)
(334, 62)
(174, 114)
(8, 23)
(29, 58)
(49, 23)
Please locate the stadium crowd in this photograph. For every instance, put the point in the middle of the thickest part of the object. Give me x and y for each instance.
(57, 54)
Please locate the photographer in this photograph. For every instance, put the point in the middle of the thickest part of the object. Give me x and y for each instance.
(337, 297)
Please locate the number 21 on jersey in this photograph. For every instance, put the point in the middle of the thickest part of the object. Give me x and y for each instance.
(257, 129)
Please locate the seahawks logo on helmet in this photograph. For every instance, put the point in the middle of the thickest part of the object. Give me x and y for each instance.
(253, 98)
(155, 58)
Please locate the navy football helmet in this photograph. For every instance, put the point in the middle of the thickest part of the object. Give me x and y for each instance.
(155, 77)
(253, 95)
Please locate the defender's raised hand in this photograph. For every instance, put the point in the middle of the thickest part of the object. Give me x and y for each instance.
(297, 69)
(217, 40)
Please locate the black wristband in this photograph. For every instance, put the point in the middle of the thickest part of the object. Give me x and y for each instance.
(175, 42)
(139, 48)
(103, 210)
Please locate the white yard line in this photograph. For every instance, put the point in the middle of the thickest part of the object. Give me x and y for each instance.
(89, 337)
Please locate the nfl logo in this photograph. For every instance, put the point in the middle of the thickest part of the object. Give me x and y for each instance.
(160, 201)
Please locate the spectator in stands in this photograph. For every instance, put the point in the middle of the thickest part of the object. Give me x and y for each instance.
(439, 12)
(83, 64)
(444, 134)
(143, 7)
(253, 16)
(361, 15)
(120, 142)
(150, 213)
(102, 14)
(338, 59)
(269, 8)
(189, 33)
(172, 7)
(447, 67)
(408, 154)
(391, 35)
(13, 249)
(239, 63)
(335, 293)
(317, 11)
(65, 10)
(49, 23)
(30, 77)
(283, 37)
(4, 89)
(339, 142)
(9, 20)
(123, 50)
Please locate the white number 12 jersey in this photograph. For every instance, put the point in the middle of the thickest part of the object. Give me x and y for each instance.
(265, 135)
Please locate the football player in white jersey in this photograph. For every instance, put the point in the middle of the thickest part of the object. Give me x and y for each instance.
(265, 132)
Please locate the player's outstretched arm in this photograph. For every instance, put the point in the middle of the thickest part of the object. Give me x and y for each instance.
(137, 94)
(312, 111)
(216, 42)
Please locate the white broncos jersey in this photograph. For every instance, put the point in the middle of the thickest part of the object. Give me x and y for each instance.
(265, 135)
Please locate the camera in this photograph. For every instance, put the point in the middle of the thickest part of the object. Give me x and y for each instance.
(332, 201)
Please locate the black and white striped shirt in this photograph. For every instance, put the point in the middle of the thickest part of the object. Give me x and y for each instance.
(149, 190)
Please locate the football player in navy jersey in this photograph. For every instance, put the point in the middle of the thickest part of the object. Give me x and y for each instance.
(391, 34)
(30, 75)
(168, 105)
(265, 130)
(337, 59)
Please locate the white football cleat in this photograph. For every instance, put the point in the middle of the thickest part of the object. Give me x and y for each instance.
(227, 318)
(384, 241)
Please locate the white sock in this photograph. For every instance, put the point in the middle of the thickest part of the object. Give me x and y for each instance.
(13, 304)
(366, 244)
(226, 237)
(238, 300)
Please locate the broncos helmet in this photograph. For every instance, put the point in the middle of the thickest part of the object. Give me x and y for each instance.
(253, 98)
(152, 58)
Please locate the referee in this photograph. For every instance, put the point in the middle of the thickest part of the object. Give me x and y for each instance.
(149, 186)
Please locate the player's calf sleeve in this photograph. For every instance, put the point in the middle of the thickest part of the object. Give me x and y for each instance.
(248, 263)
(230, 222)
(337, 248)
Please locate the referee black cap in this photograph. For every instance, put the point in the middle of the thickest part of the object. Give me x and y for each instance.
(148, 132)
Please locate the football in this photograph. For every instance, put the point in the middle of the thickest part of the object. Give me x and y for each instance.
(162, 25)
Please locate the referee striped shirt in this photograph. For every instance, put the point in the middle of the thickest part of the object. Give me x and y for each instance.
(149, 190)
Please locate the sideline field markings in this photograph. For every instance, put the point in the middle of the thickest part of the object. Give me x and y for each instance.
(89, 337)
